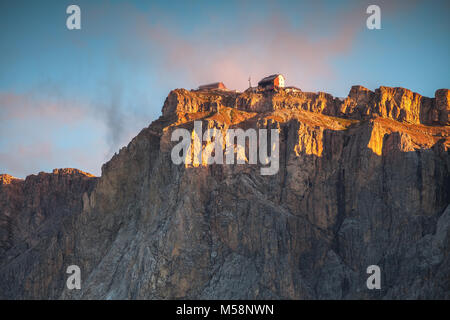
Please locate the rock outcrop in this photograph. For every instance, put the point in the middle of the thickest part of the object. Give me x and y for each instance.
(362, 181)
(34, 213)
(398, 104)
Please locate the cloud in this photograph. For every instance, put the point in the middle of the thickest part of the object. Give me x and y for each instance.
(260, 39)
(252, 46)
(40, 129)
(32, 104)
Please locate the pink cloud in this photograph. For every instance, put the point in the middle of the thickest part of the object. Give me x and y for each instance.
(258, 49)
(34, 126)
(32, 105)
(250, 46)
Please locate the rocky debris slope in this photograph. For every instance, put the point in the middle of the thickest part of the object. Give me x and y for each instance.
(363, 180)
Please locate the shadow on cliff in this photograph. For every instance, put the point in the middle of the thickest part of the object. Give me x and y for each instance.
(322, 220)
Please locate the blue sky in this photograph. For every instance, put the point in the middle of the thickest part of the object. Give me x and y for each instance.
(71, 98)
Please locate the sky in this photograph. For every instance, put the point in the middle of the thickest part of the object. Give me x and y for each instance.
(72, 98)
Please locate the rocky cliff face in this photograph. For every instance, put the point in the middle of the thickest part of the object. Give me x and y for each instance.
(35, 215)
(363, 180)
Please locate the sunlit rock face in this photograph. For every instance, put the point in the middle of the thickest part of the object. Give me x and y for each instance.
(362, 181)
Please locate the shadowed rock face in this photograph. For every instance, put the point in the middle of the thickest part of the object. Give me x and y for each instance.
(35, 216)
(362, 181)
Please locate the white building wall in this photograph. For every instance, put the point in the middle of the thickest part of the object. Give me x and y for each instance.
(281, 81)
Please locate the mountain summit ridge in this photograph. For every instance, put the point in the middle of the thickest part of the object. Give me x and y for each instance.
(361, 103)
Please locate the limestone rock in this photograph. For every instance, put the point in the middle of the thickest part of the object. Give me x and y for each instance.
(8, 179)
(442, 101)
(362, 181)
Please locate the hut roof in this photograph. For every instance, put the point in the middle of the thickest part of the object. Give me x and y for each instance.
(268, 79)
(213, 85)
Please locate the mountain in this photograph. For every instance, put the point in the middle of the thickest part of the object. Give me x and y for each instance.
(362, 181)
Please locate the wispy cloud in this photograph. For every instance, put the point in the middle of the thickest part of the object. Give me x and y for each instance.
(40, 130)
(252, 46)
(32, 104)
